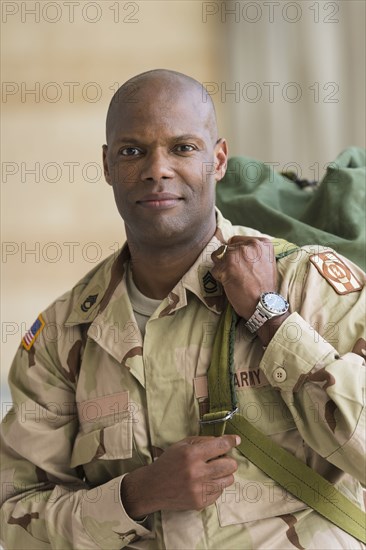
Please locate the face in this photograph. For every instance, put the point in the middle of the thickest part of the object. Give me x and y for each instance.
(163, 162)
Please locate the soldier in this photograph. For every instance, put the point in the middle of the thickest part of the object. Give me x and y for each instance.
(102, 448)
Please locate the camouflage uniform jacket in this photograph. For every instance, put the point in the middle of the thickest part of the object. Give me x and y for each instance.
(92, 402)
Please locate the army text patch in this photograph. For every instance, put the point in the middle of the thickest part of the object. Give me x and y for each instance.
(253, 378)
(336, 272)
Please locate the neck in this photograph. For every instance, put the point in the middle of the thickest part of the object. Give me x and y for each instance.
(156, 270)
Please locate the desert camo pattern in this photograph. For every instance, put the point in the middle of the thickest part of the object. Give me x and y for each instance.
(92, 402)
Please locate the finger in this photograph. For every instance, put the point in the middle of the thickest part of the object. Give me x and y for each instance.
(218, 446)
(225, 481)
(241, 239)
(215, 487)
(221, 467)
(228, 252)
(222, 254)
(211, 490)
(219, 253)
(194, 440)
(250, 248)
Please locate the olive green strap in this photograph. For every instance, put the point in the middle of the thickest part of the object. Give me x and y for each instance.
(221, 385)
(297, 478)
(280, 465)
(220, 382)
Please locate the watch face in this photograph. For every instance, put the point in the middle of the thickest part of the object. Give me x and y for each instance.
(274, 302)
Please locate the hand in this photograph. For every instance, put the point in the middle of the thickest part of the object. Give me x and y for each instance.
(246, 270)
(189, 475)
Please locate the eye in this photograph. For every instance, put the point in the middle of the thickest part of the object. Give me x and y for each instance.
(184, 148)
(129, 151)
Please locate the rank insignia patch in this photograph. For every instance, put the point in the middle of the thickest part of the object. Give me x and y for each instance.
(210, 288)
(32, 334)
(209, 283)
(336, 272)
(89, 302)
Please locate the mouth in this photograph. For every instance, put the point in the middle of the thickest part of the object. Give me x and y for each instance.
(159, 201)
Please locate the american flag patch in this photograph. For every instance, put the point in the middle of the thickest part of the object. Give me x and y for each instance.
(32, 334)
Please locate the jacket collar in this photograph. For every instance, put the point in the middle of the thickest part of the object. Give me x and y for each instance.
(107, 283)
(101, 285)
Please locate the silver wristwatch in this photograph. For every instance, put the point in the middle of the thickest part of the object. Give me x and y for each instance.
(270, 305)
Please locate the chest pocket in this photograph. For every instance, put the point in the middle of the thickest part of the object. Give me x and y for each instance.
(106, 432)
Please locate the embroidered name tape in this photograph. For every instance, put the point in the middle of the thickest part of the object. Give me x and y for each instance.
(243, 379)
(336, 272)
(32, 334)
(246, 378)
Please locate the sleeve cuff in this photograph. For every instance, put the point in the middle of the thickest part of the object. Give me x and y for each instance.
(293, 352)
(105, 519)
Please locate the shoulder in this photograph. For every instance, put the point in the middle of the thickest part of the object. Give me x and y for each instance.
(57, 336)
(326, 289)
(322, 265)
(85, 296)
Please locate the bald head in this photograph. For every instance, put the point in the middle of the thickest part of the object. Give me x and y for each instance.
(163, 86)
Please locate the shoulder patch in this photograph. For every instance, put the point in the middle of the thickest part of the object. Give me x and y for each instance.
(336, 272)
(32, 334)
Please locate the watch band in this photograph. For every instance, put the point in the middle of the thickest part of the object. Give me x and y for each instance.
(263, 312)
(256, 321)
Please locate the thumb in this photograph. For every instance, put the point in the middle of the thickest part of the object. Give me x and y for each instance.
(218, 254)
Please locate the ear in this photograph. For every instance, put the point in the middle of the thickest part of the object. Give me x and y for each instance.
(105, 165)
(221, 157)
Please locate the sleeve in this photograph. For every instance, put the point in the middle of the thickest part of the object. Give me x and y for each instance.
(316, 359)
(44, 502)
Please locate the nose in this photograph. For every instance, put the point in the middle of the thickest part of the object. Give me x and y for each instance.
(157, 166)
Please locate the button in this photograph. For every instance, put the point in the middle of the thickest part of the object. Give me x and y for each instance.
(279, 374)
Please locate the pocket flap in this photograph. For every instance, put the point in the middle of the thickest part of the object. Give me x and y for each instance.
(108, 443)
(251, 500)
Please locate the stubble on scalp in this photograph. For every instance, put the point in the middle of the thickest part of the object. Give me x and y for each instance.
(173, 82)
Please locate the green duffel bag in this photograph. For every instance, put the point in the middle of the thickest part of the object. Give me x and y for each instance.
(330, 213)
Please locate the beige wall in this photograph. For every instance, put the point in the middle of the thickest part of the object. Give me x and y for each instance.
(299, 72)
(58, 209)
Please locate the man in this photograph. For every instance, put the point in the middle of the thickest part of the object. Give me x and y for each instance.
(103, 447)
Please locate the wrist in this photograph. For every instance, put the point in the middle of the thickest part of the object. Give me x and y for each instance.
(268, 330)
(271, 306)
(136, 494)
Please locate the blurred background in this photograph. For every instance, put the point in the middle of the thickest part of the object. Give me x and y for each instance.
(287, 78)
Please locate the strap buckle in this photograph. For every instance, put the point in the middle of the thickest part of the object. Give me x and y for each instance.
(225, 418)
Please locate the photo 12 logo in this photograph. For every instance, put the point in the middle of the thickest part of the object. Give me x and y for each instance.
(68, 91)
(271, 91)
(270, 12)
(70, 12)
